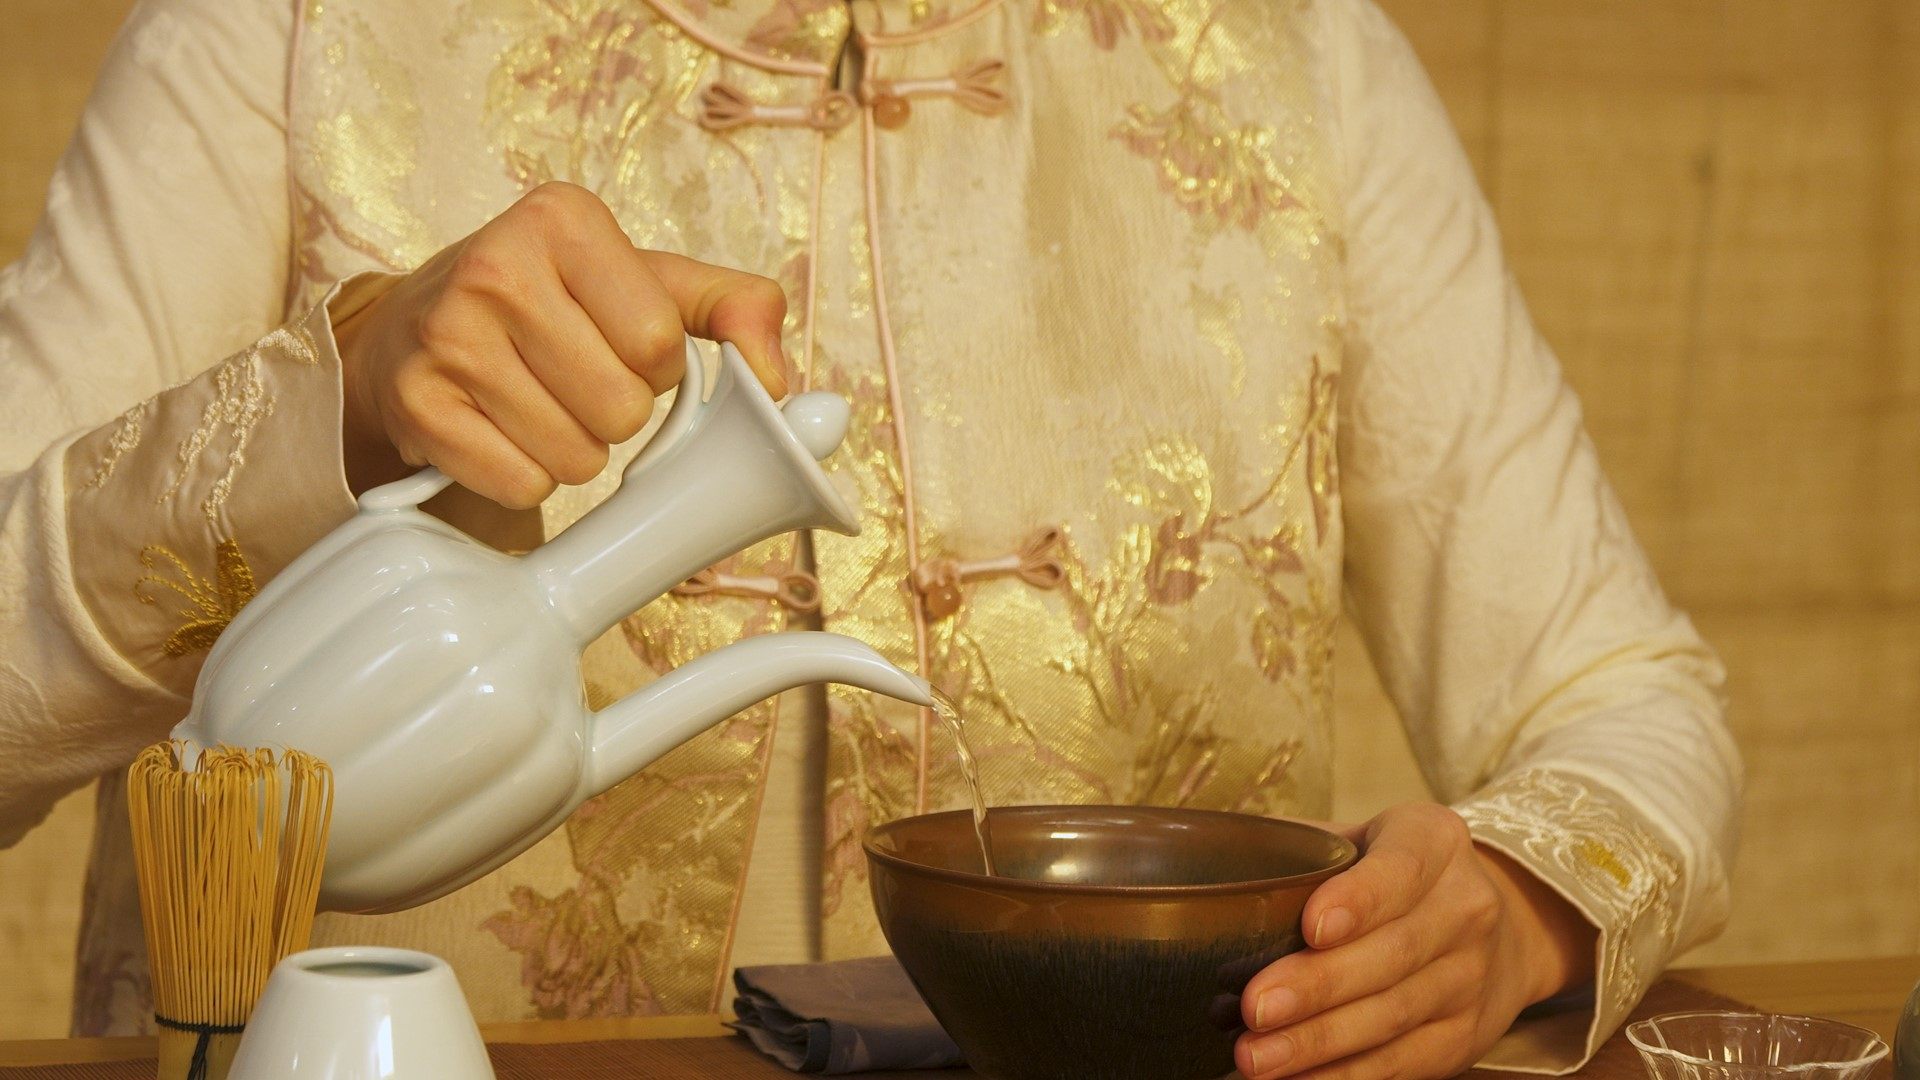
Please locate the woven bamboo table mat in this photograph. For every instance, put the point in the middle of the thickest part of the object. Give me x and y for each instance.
(735, 1058)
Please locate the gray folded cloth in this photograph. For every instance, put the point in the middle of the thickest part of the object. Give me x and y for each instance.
(841, 1017)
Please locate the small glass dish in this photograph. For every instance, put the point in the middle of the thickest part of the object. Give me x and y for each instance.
(1753, 1046)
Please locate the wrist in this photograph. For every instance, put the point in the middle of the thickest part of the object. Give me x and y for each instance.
(368, 456)
(1555, 941)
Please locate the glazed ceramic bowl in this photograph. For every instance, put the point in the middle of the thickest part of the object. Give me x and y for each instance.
(1754, 1046)
(1116, 942)
(361, 1013)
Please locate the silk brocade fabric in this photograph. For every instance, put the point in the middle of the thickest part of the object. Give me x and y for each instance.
(1170, 327)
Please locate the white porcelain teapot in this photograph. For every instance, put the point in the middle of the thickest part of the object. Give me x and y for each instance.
(441, 678)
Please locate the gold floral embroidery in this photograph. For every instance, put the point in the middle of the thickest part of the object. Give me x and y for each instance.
(1182, 749)
(1600, 855)
(365, 150)
(205, 604)
(1323, 468)
(602, 93)
(800, 28)
(873, 761)
(316, 220)
(1218, 172)
(642, 928)
(578, 958)
(1087, 694)
(1584, 840)
(1227, 174)
(580, 91)
(652, 865)
(924, 14)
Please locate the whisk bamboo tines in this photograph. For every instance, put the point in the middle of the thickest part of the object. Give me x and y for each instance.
(229, 849)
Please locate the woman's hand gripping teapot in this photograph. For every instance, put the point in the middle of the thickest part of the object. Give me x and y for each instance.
(441, 678)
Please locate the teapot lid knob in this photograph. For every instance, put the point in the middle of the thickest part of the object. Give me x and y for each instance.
(819, 421)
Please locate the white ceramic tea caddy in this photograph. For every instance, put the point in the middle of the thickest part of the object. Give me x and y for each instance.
(441, 679)
(361, 1013)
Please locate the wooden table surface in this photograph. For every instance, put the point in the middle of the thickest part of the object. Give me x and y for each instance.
(1865, 992)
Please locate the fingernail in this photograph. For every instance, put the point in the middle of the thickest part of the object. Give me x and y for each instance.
(1275, 1007)
(1334, 925)
(1270, 1053)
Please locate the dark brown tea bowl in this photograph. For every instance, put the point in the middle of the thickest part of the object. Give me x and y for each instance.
(1114, 945)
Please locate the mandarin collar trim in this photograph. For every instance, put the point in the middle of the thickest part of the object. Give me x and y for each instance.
(728, 42)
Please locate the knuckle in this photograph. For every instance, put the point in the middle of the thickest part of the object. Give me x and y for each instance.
(485, 269)
(1448, 823)
(1399, 865)
(559, 212)
(738, 295)
(555, 201)
(441, 329)
(765, 292)
(659, 343)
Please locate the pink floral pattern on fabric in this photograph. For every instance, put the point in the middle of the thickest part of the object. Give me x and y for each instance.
(1109, 20)
(577, 958)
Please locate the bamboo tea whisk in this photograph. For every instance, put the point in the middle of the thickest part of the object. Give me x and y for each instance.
(228, 847)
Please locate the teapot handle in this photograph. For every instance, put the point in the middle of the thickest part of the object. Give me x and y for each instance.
(407, 493)
(688, 397)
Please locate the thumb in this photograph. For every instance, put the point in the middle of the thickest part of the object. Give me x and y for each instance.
(1403, 853)
(721, 304)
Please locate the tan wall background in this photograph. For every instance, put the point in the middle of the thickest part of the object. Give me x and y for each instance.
(1714, 207)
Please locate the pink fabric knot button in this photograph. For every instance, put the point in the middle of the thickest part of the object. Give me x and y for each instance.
(975, 86)
(724, 106)
(938, 581)
(796, 590)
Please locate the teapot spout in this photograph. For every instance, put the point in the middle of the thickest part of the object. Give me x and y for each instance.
(628, 735)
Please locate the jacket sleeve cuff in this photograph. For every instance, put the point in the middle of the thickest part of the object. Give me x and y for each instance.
(1598, 853)
(180, 510)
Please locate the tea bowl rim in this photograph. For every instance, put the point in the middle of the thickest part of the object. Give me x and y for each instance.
(1877, 1048)
(1349, 854)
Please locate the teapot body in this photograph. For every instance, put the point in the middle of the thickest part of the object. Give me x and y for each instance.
(441, 679)
(423, 667)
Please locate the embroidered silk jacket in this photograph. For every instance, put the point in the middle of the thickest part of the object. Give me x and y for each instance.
(1170, 327)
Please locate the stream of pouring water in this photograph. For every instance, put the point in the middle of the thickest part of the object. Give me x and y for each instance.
(949, 714)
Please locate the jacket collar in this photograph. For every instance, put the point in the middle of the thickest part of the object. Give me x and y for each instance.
(803, 37)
